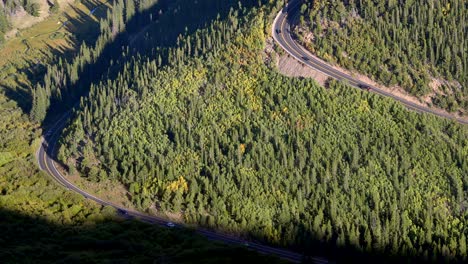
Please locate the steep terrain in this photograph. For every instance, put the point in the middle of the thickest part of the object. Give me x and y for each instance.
(201, 129)
(41, 222)
(416, 46)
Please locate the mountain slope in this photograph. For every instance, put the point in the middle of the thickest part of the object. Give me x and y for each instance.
(44, 223)
(419, 46)
(219, 139)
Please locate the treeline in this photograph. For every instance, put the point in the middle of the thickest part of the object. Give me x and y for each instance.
(43, 222)
(60, 87)
(396, 43)
(161, 25)
(4, 24)
(221, 140)
(8, 8)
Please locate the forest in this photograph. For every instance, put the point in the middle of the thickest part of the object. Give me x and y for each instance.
(418, 45)
(41, 222)
(201, 125)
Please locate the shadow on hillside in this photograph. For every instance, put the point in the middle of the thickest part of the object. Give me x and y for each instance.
(164, 22)
(86, 25)
(20, 93)
(34, 69)
(26, 239)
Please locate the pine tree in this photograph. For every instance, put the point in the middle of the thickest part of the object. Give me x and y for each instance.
(40, 104)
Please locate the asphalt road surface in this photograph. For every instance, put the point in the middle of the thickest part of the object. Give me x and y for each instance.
(281, 31)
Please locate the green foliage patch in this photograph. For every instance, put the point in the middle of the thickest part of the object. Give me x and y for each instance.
(41, 222)
(396, 43)
(222, 140)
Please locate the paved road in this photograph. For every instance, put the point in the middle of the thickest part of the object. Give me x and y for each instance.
(45, 156)
(282, 35)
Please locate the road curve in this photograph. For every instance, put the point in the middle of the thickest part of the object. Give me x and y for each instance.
(45, 157)
(281, 31)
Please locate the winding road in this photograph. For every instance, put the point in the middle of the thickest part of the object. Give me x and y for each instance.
(46, 160)
(281, 31)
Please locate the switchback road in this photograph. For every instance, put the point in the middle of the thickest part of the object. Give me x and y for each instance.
(281, 31)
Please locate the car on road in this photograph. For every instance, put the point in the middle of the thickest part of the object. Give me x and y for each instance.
(121, 211)
(170, 224)
(305, 58)
(278, 31)
(364, 87)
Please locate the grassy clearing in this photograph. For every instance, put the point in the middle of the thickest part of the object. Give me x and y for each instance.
(108, 190)
(23, 57)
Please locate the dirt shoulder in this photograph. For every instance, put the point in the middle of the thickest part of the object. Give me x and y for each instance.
(289, 66)
(108, 190)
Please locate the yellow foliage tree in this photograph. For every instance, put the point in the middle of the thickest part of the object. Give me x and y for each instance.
(180, 183)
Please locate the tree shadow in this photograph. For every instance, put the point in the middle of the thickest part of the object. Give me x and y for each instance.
(19, 93)
(35, 70)
(33, 239)
(164, 23)
(85, 25)
(17, 89)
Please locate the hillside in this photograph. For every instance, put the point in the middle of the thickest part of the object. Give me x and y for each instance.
(181, 103)
(198, 127)
(419, 46)
(20, 14)
(44, 223)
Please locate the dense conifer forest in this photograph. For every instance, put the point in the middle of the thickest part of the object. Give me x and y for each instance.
(41, 222)
(405, 43)
(200, 126)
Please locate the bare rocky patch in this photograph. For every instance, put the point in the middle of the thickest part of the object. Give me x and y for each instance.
(291, 67)
(22, 20)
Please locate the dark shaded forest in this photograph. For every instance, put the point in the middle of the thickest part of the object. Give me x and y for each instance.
(26, 239)
(419, 45)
